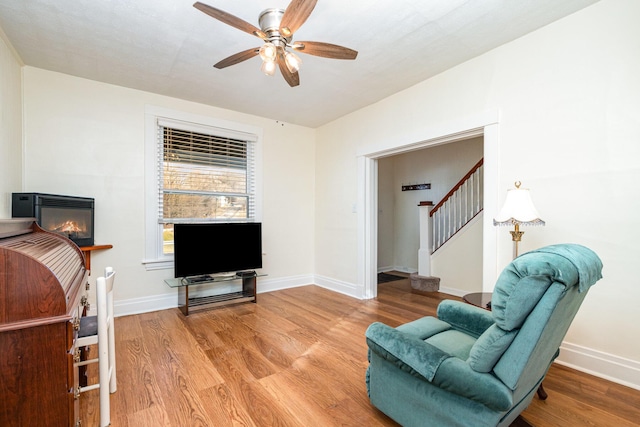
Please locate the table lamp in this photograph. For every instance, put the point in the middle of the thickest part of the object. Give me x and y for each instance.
(518, 209)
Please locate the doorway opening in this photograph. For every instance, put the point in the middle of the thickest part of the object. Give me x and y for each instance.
(485, 126)
(424, 178)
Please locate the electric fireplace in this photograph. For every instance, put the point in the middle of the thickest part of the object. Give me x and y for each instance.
(69, 216)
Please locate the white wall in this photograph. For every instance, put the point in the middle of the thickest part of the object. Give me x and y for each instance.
(458, 263)
(10, 126)
(442, 166)
(386, 214)
(569, 126)
(86, 138)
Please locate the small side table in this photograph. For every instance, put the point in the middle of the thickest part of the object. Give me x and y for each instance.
(479, 299)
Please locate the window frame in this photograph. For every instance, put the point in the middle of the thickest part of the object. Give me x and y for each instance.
(154, 257)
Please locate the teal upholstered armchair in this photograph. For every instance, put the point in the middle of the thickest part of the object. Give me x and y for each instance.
(473, 367)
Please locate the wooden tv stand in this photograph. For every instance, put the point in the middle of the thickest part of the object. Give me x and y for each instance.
(202, 298)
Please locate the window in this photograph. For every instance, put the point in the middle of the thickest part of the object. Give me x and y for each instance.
(201, 172)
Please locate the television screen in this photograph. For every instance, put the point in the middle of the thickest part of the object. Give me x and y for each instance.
(211, 248)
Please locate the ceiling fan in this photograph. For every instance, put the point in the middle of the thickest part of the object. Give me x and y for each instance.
(276, 30)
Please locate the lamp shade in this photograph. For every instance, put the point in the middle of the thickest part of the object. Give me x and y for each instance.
(292, 61)
(518, 209)
(268, 52)
(268, 67)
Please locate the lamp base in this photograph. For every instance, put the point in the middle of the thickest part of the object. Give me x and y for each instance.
(516, 236)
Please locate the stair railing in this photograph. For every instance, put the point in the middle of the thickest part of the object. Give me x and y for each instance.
(458, 207)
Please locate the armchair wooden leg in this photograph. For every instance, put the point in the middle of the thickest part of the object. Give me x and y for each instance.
(542, 395)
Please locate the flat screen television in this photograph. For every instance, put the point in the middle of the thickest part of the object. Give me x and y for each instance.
(202, 249)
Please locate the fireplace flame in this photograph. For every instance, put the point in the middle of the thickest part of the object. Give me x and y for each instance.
(68, 227)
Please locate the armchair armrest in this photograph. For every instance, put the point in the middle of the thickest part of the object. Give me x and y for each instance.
(397, 346)
(465, 317)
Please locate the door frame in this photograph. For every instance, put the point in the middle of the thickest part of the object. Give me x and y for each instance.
(484, 124)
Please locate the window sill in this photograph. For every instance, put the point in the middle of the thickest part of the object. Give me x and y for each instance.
(157, 264)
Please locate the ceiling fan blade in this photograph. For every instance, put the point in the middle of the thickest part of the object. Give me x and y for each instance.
(292, 78)
(229, 19)
(326, 50)
(237, 58)
(295, 15)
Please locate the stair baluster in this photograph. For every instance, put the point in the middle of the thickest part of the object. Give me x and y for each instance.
(458, 207)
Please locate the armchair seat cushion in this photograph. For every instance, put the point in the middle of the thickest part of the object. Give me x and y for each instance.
(441, 335)
(455, 343)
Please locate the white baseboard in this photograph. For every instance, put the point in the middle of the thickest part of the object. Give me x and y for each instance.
(400, 268)
(339, 286)
(166, 301)
(604, 365)
(452, 291)
(145, 304)
(405, 269)
(270, 285)
(608, 366)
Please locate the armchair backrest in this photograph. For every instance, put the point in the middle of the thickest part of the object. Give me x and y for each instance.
(534, 302)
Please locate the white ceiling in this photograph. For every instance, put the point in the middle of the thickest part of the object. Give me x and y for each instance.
(169, 47)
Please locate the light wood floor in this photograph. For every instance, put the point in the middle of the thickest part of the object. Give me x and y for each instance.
(297, 358)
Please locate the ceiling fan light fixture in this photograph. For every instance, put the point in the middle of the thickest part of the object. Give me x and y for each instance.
(286, 32)
(268, 52)
(268, 67)
(292, 61)
(277, 27)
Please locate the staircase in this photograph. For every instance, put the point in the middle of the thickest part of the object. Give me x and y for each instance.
(457, 208)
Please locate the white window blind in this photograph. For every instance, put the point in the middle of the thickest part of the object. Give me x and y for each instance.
(210, 171)
(204, 173)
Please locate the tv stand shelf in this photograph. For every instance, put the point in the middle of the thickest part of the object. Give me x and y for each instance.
(190, 304)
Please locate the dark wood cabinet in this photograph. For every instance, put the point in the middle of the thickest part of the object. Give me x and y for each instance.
(42, 283)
